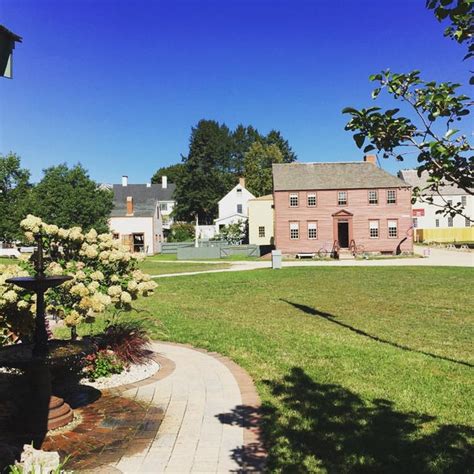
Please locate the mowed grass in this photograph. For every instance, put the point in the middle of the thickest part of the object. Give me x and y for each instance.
(161, 267)
(359, 369)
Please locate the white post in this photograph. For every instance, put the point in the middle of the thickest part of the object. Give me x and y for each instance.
(196, 232)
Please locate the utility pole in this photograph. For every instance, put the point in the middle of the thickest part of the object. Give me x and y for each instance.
(196, 232)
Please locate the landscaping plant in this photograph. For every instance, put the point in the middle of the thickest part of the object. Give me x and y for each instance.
(104, 273)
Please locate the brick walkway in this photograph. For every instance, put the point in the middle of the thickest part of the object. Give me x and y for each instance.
(210, 417)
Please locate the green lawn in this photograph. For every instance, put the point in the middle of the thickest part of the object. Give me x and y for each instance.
(161, 267)
(359, 369)
(8, 261)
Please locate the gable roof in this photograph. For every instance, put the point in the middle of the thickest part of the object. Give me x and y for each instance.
(411, 177)
(267, 197)
(237, 186)
(144, 197)
(346, 175)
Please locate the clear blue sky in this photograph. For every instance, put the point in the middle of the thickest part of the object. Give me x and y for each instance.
(117, 85)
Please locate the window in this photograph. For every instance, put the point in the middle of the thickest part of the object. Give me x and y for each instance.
(293, 200)
(374, 229)
(373, 197)
(450, 202)
(342, 198)
(392, 228)
(312, 200)
(467, 222)
(239, 191)
(415, 222)
(163, 206)
(437, 222)
(294, 230)
(391, 196)
(261, 231)
(463, 200)
(450, 221)
(312, 230)
(239, 208)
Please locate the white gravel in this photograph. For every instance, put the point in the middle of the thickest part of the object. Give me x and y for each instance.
(134, 373)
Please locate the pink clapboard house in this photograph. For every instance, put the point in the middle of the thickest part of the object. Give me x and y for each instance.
(353, 204)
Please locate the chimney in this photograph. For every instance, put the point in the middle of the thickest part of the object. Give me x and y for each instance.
(164, 182)
(371, 159)
(129, 206)
(148, 185)
(124, 180)
(242, 182)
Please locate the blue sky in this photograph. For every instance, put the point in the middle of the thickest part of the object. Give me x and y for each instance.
(117, 85)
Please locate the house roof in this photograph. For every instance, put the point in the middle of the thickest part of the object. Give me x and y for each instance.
(10, 34)
(346, 175)
(144, 197)
(411, 177)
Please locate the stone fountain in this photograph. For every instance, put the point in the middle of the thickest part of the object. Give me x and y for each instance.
(37, 359)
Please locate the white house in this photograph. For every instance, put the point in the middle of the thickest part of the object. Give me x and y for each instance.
(233, 206)
(434, 225)
(137, 218)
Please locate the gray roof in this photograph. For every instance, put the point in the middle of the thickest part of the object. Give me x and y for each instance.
(346, 175)
(145, 198)
(411, 177)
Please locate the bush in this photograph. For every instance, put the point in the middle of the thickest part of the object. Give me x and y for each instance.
(128, 340)
(102, 364)
(181, 232)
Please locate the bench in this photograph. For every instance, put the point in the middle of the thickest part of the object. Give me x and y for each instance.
(305, 255)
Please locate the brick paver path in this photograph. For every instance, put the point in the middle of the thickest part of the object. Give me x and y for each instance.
(209, 423)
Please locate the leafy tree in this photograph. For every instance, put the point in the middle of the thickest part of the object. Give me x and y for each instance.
(206, 173)
(435, 110)
(173, 172)
(234, 233)
(14, 196)
(67, 197)
(242, 139)
(258, 167)
(181, 232)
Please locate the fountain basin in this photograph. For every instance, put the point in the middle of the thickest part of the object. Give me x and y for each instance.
(41, 283)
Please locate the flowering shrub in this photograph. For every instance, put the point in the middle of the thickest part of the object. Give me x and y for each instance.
(104, 275)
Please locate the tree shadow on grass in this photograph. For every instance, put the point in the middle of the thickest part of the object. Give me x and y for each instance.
(312, 427)
(331, 318)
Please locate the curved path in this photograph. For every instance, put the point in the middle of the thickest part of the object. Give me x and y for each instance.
(210, 416)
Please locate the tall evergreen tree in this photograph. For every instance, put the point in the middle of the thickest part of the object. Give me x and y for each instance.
(172, 172)
(14, 196)
(68, 197)
(275, 138)
(242, 139)
(207, 172)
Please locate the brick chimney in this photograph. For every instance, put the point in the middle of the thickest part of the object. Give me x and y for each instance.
(371, 159)
(129, 206)
(242, 182)
(124, 180)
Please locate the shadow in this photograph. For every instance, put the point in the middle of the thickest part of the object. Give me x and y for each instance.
(323, 427)
(331, 318)
(251, 457)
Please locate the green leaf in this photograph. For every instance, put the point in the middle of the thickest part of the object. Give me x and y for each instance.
(375, 93)
(349, 110)
(450, 132)
(359, 138)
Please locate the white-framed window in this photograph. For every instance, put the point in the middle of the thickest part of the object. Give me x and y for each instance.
(467, 222)
(312, 230)
(293, 199)
(163, 206)
(261, 231)
(342, 198)
(450, 202)
(391, 196)
(464, 200)
(450, 221)
(374, 229)
(373, 197)
(294, 230)
(239, 208)
(239, 190)
(392, 225)
(415, 222)
(312, 200)
(437, 222)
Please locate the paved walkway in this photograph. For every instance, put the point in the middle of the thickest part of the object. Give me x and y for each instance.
(209, 423)
(437, 257)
